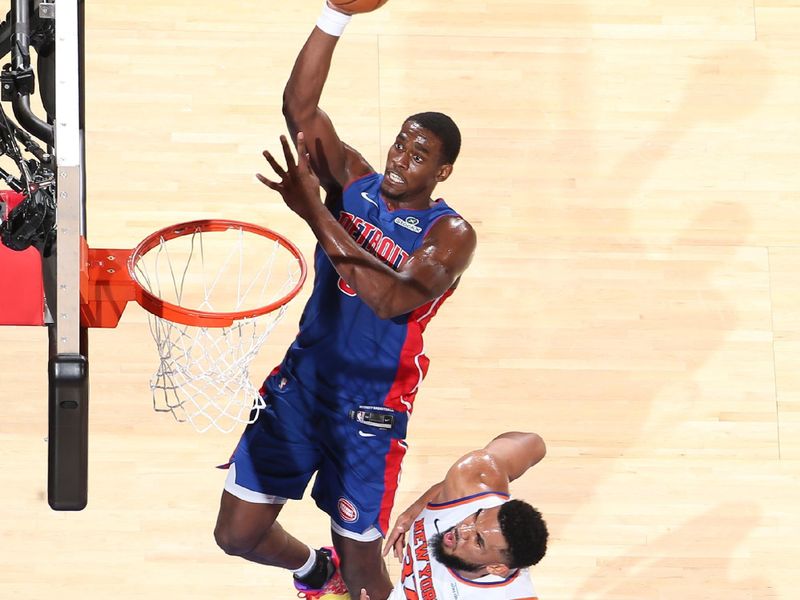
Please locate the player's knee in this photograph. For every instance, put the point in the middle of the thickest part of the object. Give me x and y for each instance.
(235, 542)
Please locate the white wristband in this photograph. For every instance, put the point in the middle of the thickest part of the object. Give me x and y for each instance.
(332, 21)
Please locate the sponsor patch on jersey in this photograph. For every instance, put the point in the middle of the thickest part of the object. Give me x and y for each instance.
(410, 223)
(347, 511)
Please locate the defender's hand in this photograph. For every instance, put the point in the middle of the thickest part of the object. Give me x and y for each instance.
(396, 539)
(299, 185)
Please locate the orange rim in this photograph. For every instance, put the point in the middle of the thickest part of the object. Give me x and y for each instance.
(199, 318)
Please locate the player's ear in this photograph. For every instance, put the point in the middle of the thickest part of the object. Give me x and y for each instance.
(443, 173)
(498, 569)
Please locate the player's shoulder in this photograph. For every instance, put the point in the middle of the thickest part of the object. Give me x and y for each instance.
(455, 230)
(474, 473)
(479, 461)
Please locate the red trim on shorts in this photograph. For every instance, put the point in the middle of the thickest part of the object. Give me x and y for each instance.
(391, 479)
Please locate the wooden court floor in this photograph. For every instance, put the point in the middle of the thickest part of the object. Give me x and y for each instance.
(631, 169)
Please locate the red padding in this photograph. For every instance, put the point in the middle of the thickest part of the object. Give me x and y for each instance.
(21, 286)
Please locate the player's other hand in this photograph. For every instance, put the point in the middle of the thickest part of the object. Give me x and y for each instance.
(298, 185)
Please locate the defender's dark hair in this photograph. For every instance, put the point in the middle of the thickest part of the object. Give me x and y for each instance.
(445, 129)
(525, 532)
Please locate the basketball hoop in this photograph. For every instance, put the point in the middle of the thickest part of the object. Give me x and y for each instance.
(214, 291)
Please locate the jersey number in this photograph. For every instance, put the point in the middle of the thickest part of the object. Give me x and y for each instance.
(408, 574)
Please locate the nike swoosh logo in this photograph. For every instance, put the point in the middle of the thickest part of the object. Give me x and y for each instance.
(364, 434)
(366, 197)
(436, 525)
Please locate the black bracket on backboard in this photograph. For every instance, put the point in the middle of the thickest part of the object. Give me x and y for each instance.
(67, 456)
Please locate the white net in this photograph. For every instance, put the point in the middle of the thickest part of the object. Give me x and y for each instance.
(203, 376)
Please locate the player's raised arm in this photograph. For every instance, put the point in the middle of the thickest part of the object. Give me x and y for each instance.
(334, 162)
(492, 468)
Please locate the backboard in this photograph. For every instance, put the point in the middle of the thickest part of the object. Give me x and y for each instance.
(68, 364)
(47, 154)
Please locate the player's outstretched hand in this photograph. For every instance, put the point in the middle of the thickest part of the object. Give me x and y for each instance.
(299, 185)
(397, 536)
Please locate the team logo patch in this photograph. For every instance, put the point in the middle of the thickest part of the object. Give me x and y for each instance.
(410, 223)
(347, 511)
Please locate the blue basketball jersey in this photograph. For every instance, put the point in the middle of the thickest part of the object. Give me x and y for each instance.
(343, 351)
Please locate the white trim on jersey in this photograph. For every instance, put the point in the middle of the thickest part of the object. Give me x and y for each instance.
(433, 305)
(419, 370)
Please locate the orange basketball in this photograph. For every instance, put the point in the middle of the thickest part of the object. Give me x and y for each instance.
(357, 6)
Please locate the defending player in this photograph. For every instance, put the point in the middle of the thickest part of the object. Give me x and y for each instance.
(465, 538)
(388, 256)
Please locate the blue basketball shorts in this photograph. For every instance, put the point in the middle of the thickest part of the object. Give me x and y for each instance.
(297, 434)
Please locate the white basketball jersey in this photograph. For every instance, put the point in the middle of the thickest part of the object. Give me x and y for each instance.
(425, 578)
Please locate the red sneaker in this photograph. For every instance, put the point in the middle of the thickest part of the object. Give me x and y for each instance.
(334, 588)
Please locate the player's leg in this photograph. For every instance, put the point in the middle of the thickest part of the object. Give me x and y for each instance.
(275, 459)
(362, 566)
(250, 530)
(355, 485)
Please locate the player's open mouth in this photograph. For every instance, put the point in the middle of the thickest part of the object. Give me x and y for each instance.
(394, 178)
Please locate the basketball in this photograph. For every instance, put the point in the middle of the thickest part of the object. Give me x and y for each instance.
(357, 6)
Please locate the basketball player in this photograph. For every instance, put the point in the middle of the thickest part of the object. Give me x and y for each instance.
(464, 538)
(388, 255)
